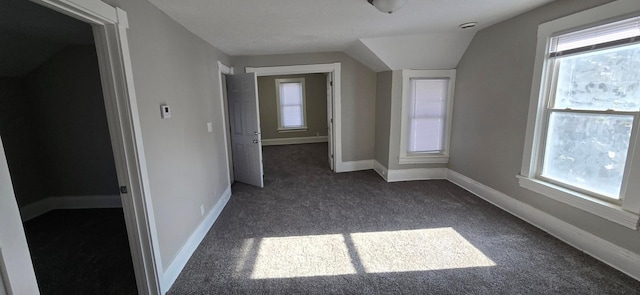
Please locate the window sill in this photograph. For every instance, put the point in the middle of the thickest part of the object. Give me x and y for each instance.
(583, 202)
(301, 129)
(424, 159)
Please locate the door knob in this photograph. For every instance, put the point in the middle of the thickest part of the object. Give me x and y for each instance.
(255, 141)
(256, 132)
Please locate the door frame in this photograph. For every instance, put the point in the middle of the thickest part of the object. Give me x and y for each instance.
(330, 68)
(109, 25)
(224, 106)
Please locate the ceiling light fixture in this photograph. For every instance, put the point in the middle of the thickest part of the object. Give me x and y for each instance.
(468, 25)
(387, 6)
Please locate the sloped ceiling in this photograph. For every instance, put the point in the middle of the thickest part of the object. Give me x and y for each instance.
(257, 27)
(30, 34)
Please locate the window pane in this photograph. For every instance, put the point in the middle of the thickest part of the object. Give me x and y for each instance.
(601, 34)
(291, 116)
(588, 151)
(601, 80)
(426, 134)
(427, 110)
(291, 93)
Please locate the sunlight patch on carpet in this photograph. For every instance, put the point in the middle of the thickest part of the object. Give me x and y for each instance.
(416, 250)
(371, 252)
(302, 256)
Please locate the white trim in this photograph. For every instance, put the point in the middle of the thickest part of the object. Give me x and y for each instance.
(416, 174)
(224, 110)
(110, 34)
(294, 140)
(303, 93)
(409, 174)
(296, 129)
(45, 205)
(5, 287)
(628, 212)
(422, 158)
(171, 273)
(603, 250)
(332, 68)
(381, 169)
(224, 69)
(590, 204)
(354, 166)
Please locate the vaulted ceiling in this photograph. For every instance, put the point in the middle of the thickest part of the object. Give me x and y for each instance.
(422, 35)
(30, 34)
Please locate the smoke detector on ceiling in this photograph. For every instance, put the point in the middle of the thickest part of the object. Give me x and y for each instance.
(468, 25)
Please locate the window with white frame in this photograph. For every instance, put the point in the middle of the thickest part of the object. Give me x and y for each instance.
(584, 115)
(291, 104)
(426, 116)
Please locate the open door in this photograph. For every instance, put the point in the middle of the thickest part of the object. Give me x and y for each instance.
(242, 94)
(330, 117)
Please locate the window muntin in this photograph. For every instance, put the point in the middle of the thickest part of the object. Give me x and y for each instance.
(291, 104)
(593, 102)
(427, 115)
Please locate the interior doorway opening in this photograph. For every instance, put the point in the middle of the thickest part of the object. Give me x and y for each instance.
(56, 141)
(109, 26)
(295, 110)
(331, 74)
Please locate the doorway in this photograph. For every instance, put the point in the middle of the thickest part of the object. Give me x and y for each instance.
(56, 142)
(294, 117)
(333, 74)
(109, 26)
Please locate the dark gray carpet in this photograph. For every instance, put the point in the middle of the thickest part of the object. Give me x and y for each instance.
(81, 252)
(305, 209)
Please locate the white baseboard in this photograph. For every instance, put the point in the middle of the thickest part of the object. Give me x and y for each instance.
(294, 140)
(381, 169)
(170, 275)
(354, 166)
(409, 174)
(45, 205)
(416, 174)
(603, 250)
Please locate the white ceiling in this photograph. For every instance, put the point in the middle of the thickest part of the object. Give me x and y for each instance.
(257, 27)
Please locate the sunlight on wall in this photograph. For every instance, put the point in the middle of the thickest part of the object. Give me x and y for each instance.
(417, 250)
(369, 252)
(302, 256)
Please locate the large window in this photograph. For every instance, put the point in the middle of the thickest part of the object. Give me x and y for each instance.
(426, 116)
(588, 102)
(291, 104)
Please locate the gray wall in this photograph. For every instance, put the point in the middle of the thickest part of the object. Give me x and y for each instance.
(20, 143)
(186, 164)
(358, 96)
(316, 106)
(383, 117)
(490, 114)
(67, 111)
(54, 129)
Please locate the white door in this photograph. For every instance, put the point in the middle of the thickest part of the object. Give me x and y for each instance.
(242, 94)
(330, 117)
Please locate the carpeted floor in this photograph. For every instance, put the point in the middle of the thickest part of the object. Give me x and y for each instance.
(81, 252)
(310, 231)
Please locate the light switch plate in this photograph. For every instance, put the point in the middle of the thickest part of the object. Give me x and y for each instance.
(165, 111)
(209, 127)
